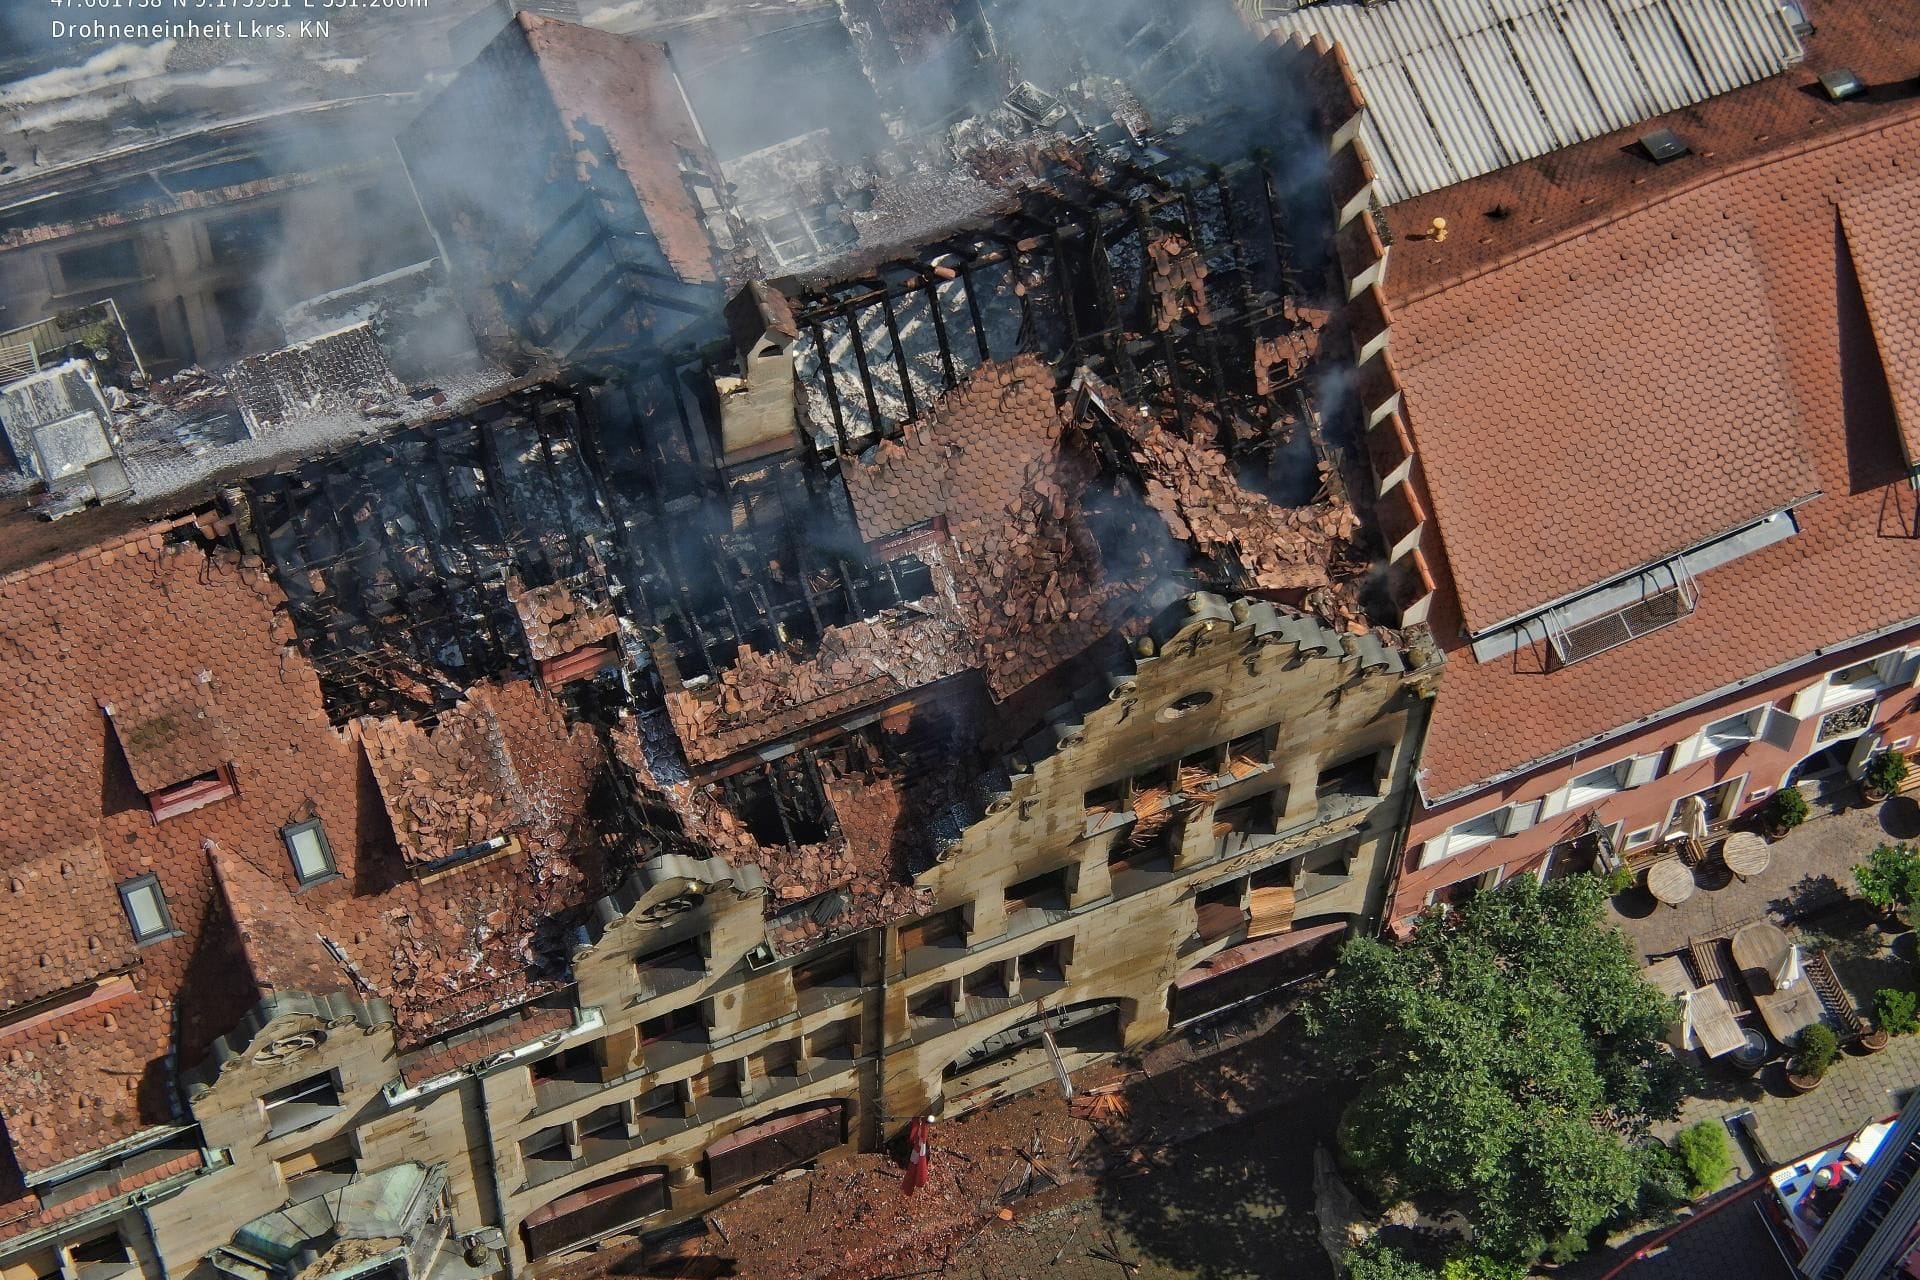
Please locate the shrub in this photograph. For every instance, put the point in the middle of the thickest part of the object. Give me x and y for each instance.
(1787, 809)
(1376, 1261)
(1886, 771)
(1890, 877)
(1478, 1266)
(1893, 1009)
(1618, 880)
(1817, 1049)
(1703, 1151)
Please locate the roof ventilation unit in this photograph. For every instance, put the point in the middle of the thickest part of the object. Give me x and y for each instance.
(1841, 84)
(1663, 145)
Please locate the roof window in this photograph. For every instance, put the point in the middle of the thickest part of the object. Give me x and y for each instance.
(1841, 84)
(312, 855)
(146, 907)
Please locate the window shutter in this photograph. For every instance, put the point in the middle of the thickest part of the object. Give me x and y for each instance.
(1516, 818)
(1689, 750)
(1781, 729)
(1807, 701)
(1643, 769)
(1432, 851)
(1553, 804)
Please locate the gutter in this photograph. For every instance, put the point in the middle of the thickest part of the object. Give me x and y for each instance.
(1574, 751)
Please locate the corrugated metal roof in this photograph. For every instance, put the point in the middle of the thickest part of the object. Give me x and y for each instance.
(1457, 88)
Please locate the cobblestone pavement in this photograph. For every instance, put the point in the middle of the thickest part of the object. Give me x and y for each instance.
(1808, 886)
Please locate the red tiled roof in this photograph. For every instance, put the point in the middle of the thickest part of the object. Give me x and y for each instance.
(1880, 229)
(448, 786)
(1850, 570)
(441, 1057)
(968, 458)
(1578, 424)
(74, 1083)
(282, 951)
(29, 1214)
(626, 88)
(134, 615)
(60, 908)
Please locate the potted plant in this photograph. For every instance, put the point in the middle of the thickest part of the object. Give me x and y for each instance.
(1814, 1054)
(1885, 772)
(1787, 810)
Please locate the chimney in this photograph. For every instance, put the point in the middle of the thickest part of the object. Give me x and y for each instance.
(757, 408)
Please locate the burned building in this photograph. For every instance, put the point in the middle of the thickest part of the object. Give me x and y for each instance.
(815, 703)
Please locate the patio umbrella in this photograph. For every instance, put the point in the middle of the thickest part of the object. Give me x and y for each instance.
(1688, 1038)
(1790, 970)
(1693, 814)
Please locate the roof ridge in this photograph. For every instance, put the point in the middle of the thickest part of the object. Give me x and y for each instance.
(1619, 213)
(135, 542)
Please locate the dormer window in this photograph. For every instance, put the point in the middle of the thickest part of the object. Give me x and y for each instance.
(311, 854)
(146, 907)
(176, 745)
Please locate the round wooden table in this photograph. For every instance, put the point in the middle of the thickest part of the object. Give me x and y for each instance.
(1670, 882)
(1745, 854)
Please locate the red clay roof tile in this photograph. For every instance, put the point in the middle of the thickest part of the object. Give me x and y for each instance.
(1578, 423)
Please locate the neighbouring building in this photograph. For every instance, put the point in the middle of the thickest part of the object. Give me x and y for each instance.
(544, 815)
(1654, 398)
(201, 241)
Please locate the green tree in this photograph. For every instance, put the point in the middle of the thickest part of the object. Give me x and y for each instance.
(1890, 877)
(1510, 1057)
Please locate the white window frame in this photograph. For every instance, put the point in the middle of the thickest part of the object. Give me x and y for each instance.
(1738, 794)
(1641, 837)
(1498, 872)
(1612, 834)
(1579, 794)
(1886, 673)
(1453, 841)
(1518, 817)
(1750, 724)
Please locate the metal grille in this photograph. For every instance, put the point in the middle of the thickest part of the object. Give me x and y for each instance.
(1652, 611)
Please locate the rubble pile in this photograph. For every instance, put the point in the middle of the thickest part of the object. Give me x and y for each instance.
(862, 862)
(557, 620)
(1037, 593)
(448, 787)
(1278, 548)
(764, 694)
(1177, 278)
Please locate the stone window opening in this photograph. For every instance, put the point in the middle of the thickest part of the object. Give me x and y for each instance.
(302, 1104)
(1359, 776)
(935, 1004)
(1048, 891)
(101, 1257)
(1044, 967)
